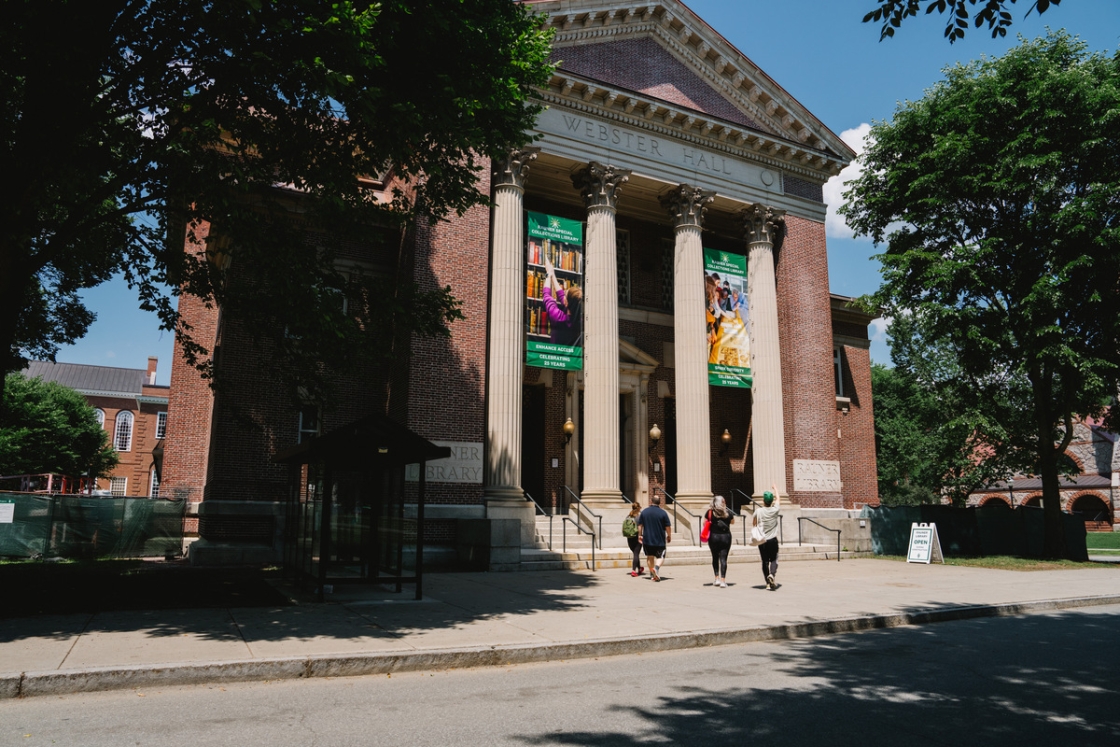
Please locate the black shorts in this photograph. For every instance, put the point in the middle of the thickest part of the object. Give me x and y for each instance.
(654, 551)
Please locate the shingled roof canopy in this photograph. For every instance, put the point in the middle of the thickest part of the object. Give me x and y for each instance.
(374, 441)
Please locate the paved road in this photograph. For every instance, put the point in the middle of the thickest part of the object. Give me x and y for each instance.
(1048, 678)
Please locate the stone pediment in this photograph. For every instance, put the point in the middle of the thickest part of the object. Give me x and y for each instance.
(630, 356)
(661, 63)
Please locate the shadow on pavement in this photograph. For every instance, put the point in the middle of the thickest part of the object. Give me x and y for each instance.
(1042, 679)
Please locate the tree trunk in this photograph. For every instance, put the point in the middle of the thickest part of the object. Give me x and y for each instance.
(1054, 543)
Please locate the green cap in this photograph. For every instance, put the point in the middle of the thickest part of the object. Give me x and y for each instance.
(767, 497)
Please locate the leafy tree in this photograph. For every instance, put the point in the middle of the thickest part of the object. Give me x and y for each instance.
(998, 194)
(994, 13)
(131, 124)
(47, 427)
(939, 432)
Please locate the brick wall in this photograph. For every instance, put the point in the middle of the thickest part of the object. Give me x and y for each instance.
(645, 66)
(805, 329)
(446, 392)
(190, 405)
(858, 468)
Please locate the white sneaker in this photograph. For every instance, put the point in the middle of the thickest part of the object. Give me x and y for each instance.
(723, 584)
(770, 582)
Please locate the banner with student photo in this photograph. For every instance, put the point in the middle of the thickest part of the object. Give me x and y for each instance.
(554, 292)
(725, 298)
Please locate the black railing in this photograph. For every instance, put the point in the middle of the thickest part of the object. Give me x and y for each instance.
(822, 526)
(579, 516)
(696, 517)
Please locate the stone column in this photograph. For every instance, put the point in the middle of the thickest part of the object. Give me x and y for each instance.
(764, 228)
(506, 334)
(599, 186)
(686, 206)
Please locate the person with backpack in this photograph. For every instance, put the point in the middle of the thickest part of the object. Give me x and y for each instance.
(719, 537)
(630, 532)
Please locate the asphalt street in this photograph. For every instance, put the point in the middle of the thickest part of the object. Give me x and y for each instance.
(1046, 678)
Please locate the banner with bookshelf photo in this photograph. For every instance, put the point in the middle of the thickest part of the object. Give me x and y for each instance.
(725, 293)
(554, 292)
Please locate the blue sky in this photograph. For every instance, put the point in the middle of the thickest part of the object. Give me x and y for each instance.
(818, 50)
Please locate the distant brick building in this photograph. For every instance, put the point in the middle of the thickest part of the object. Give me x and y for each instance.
(1089, 485)
(131, 407)
(661, 145)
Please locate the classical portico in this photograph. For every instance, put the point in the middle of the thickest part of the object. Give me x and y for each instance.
(607, 154)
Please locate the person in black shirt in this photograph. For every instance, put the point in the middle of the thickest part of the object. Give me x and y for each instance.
(719, 538)
(655, 532)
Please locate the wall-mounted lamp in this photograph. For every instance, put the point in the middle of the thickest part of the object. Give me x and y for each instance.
(569, 429)
(654, 436)
(725, 439)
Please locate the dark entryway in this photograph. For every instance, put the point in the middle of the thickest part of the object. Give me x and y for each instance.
(532, 442)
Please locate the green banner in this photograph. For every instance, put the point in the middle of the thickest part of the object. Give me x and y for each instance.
(725, 298)
(554, 292)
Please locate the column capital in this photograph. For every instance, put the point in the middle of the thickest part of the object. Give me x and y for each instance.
(511, 170)
(687, 204)
(764, 224)
(600, 185)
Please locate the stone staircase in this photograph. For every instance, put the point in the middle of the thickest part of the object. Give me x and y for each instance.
(576, 553)
(543, 559)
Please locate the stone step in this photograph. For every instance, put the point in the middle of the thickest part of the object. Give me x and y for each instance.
(608, 558)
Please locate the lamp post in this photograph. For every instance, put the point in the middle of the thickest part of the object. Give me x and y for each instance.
(1011, 491)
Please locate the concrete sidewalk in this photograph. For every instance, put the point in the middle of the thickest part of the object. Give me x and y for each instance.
(475, 619)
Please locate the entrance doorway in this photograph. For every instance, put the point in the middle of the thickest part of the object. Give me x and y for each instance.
(532, 442)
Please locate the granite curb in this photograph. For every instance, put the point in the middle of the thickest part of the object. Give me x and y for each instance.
(63, 682)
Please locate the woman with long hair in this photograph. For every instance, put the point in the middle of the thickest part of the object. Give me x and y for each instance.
(630, 532)
(719, 537)
(564, 308)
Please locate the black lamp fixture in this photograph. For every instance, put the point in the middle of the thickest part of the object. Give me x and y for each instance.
(725, 439)
(654, 436)
(569, 429)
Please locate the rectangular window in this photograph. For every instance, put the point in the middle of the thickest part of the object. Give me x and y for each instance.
(161, 425)
(118, 486)
(838, 370)
(622, 250)
(308, 423)
(153, 488)
(667, 249)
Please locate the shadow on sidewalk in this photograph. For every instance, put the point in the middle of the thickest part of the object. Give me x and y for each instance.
(1040, 679)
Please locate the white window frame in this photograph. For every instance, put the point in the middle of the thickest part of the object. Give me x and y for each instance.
(161, 424)
(124, 419)
(100, 415)
(153, 484)
(122, 490)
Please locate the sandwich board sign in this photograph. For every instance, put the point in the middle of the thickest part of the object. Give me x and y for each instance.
(925, 546)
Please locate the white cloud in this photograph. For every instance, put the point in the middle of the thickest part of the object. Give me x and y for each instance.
(834, 224)
(879, 328)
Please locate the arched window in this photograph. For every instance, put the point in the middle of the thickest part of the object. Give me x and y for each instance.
(122, 438)
(100, 415)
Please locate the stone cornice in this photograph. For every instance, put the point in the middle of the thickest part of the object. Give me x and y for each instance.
(704, 52)
(576, 93)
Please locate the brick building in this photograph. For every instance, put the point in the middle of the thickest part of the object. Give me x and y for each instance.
(661, 147)
(1088, 486)
(132, 408)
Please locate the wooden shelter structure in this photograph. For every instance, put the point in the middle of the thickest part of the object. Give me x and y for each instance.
(346, 519)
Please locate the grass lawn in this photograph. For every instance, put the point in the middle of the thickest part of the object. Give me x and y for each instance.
(49, 588)
(1009, 563)
(1102, 541)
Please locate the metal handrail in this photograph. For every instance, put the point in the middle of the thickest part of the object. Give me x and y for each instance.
(580, 530)
(582, 507)
(540, 508)
(669, 496)
(753, 502)
(822, 526)
(742, 521)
